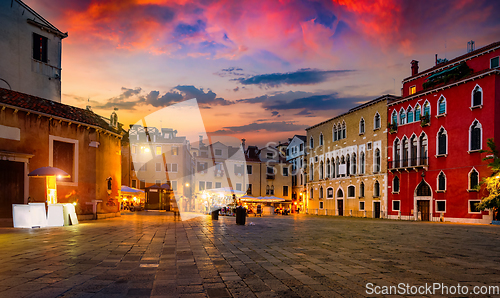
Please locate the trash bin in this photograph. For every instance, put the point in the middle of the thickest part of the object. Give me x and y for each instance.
(215, 214)
(241, 214)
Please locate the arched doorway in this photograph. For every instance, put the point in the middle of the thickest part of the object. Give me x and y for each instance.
(340, 202)
(423, 198)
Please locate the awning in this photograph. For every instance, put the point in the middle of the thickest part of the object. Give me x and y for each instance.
(130, 190)
(269, 199)
(49, 171)
(436, 75)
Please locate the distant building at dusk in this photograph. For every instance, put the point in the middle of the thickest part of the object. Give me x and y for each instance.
(347, 173)
(31, 50)
(269, 174)
(296, 156)
(438, 129)
(160, 156)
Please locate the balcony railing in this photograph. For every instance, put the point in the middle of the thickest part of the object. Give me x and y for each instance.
(408, 163)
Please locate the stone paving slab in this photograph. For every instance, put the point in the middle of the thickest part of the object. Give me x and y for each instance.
(148, 254)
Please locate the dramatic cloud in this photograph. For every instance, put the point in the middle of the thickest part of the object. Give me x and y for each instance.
(306, 101)
(282, 126)
(175, 95)
(121, 101)
(292, 30)
(305, 76)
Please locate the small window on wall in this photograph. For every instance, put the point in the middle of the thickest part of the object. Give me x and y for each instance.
(441, 182)
(329, 193)
(218, 152)
(361, 190)
(321, 139)
(218, 185)
(473, 207)
(361, 206)
(473, 180)
(209, 185)
(311, 193)
(320, 205)
(175, 150)
(174, 185)
(376, 121)
(201, 185)
(64, 155)
(285, 190)
(351, 191)
(134, 183)
(238, 186)
(440, 206)
(39, 48)
(249, 169)
(321, 192)
(362, 126)
(396, 206)
(376, 189)
(442, 106)
(494, 62)
(413, 90)
(477, 97)
(395, 184)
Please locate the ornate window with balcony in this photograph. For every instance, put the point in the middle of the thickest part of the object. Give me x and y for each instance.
(441, 106)
(423, 150)
(410, 115)
(328, 168)
(362, 162)
(418, 112)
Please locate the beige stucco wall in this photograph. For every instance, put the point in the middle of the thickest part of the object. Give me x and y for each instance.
(91, 169)
(355, 142)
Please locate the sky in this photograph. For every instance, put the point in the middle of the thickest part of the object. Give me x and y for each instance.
(263, 70)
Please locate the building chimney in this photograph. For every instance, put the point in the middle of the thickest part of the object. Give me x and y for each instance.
(414, 67)
(201, 140)
(243, 144)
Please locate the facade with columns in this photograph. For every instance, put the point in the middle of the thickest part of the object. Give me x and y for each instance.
(346, 162)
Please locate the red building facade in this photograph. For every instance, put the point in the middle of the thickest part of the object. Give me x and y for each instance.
(437, 131)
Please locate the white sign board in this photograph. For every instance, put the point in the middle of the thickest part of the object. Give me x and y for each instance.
(342, 169)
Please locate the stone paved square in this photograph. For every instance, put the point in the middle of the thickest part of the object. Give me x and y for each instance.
(152, 254)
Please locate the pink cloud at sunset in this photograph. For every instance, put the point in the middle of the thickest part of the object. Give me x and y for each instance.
(305, 61)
